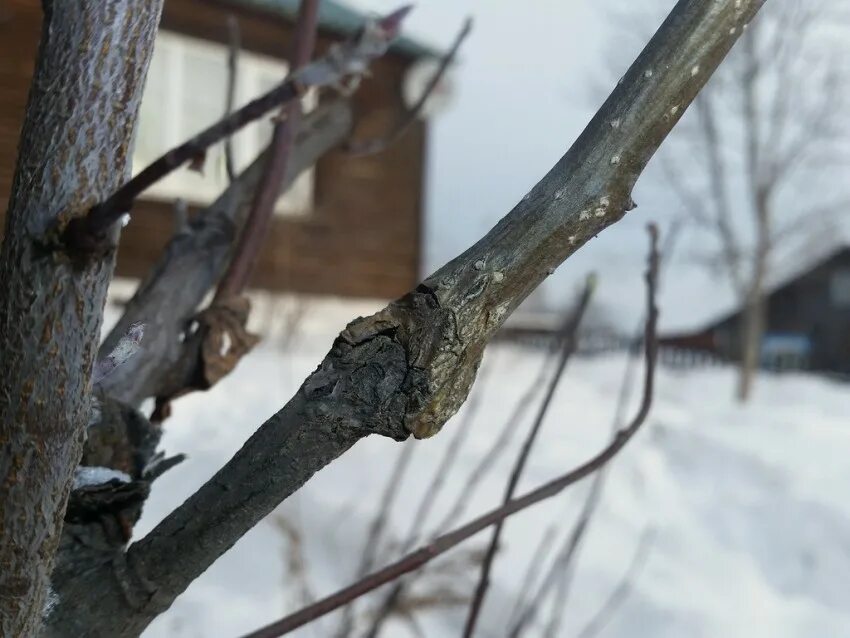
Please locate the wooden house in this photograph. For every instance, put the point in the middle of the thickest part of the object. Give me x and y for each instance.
(807, 320)
(351, 226)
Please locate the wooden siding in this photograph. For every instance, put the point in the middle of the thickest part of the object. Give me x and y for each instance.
(364, 236)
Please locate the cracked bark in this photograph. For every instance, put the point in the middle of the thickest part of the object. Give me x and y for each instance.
(408, 368)
(74, 148)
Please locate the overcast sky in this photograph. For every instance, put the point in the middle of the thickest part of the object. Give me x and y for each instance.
(530, 77)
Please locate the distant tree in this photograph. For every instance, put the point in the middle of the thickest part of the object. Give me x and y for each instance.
(759, 162)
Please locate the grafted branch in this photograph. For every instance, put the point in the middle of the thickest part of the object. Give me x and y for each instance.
(444, 543)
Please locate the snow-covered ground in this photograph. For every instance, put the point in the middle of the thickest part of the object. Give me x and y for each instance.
(748, 507)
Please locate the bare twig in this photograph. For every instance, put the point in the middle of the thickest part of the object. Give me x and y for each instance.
(619, 595)
(368, 147)
(194, 260)
(499, 446)
(444, 468)
(429, 497)
(569, 347)
(253, 235)
(379, 524)
(562, 569)
(442, 544)
(344, 62)
(234, 41)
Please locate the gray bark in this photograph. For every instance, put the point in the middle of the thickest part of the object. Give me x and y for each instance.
(408, 368)
(73, 152)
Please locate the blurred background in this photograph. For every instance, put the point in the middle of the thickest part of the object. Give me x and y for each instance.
(727, 516)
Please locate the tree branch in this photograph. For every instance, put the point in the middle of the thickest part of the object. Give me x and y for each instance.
(193, 261)
(345, 62)
(368, 147)
(569, 347)
(379, 524)
(73, 150)
(409, 367)
(442, 544)
(466, 494)
(256, 228)
(233, 46)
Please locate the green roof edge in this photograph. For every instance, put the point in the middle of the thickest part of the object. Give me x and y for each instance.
(339, 18)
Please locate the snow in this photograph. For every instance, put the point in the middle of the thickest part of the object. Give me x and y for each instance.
(85, 476)
(748, 505)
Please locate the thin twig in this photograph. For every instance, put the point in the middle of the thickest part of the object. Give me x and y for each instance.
(346, 61)
(534, 566)
(569, 348)
(256, 227)
(379, 523)
(369, 147)
(442, 544)
(429, 497)
(498, 447)
(234, 42)
(444, 468)
(562, 570)
(621, 592)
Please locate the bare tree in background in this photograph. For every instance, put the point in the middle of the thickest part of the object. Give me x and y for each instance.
(757, 163)
(77, 457)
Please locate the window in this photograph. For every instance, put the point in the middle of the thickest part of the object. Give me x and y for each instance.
(185, 93)
(839, 288)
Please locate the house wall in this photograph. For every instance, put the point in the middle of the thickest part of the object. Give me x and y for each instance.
(802, 307)
(364, 236)
(806, 306)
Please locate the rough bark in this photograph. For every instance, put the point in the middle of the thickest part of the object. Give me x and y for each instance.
(73, 152)
(408, 368)
(194, 260)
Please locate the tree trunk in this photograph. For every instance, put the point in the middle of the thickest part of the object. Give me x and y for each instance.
(751, 331)
(74, 151)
